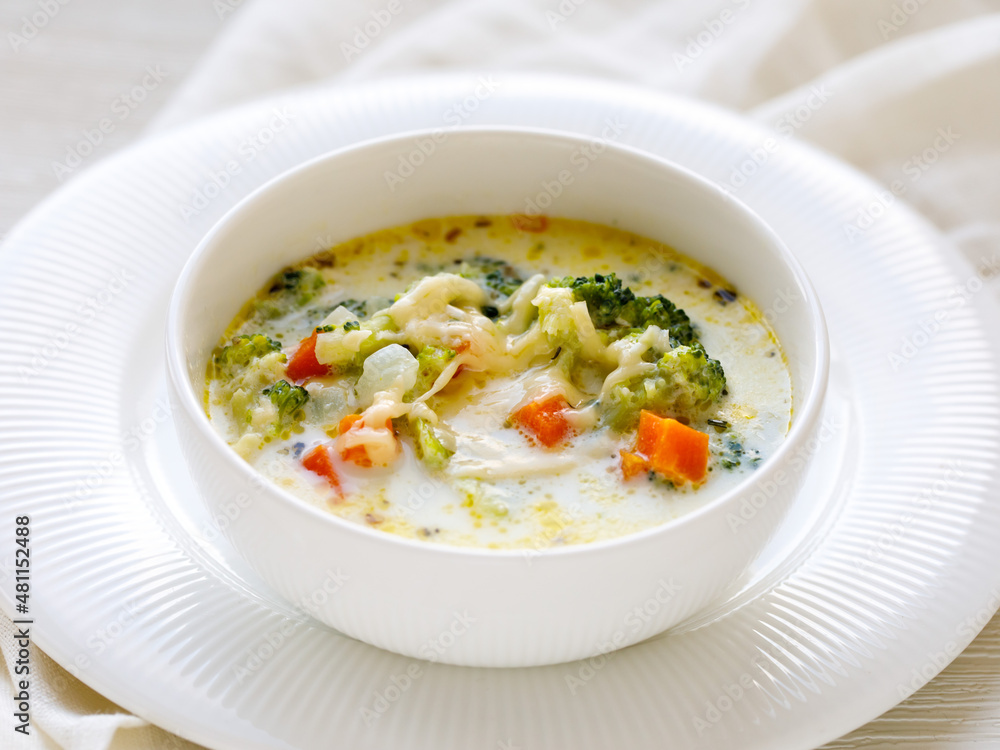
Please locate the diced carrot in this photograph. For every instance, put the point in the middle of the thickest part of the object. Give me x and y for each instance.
(304, 363)
(678, 452)
(356, 454)
(545, 419)
(633, 465)
(530, 223)
(318, 461)
(348, 422)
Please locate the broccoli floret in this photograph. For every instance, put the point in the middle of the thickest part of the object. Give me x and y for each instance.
(429, 448)
(615, 308)
(270, 412)
(698, 379)
(605, 296)
(432, 360)
(496, 275)
(642, 312)
(686, 381)
(288, 398)
(244, 350)
(290, 289)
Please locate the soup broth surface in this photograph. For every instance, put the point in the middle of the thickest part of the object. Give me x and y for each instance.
(456, 391)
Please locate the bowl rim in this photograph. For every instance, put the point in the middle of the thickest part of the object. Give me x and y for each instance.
(807, 412)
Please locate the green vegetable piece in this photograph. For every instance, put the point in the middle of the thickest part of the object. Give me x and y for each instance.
(658, 311)
(242, 351)
(697, 380)
(496, 275)
(686, 382)
(377, 324)
(431, 360)
(614, 306)
(289, 290)
(605, 296)
(732, 455)
(429, 448)
(298, 281)
(287, 397)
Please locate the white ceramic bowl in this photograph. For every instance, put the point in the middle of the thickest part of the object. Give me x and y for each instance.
(487, 607)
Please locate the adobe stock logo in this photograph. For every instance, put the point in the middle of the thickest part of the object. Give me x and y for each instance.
(33, 24)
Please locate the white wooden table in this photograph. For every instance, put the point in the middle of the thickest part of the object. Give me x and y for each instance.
(60, 85)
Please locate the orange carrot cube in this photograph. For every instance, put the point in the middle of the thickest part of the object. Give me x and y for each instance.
(674, 450)
(304, 363)
(545, 419)
(318, 461)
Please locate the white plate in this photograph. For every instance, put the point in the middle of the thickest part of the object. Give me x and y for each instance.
(885, 570)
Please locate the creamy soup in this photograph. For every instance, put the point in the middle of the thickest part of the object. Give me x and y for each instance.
(502, 382)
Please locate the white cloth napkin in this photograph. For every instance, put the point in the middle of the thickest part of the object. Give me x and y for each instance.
(894, 74)
(906, 90)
